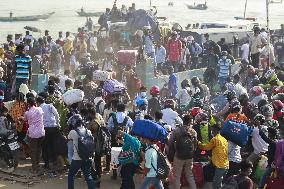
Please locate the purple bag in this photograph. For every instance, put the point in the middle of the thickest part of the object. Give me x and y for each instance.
(112, 85)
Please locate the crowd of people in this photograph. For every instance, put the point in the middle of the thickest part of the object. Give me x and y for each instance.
(52, 131)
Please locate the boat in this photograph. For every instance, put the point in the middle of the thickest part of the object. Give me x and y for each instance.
(25, 18)
(274, 2)
(89, 14)
(198, 6)
(170, 4)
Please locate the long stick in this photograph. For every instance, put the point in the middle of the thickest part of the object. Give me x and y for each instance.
(245, 12)
(268, 29)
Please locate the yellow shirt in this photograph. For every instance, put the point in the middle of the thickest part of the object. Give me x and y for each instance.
(219, 147)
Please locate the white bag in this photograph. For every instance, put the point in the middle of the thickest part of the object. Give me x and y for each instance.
(73, 96)
(101, 75)
(114, 157)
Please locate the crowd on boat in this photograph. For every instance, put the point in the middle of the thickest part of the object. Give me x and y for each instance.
(225, 126)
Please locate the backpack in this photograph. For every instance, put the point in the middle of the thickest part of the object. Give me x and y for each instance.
(86, 145)
(98, 107)
(119, 126)
(184, 145)
(163, 168)
(279, 158)
(103, 140)
(233, 183)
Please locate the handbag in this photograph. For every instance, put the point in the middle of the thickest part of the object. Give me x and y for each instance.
(126, 157)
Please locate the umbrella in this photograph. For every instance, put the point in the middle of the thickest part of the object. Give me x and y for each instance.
(33, 29)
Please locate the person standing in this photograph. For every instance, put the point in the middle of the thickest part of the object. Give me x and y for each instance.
(51, 127)
(245, 51)
(161, 54)
(219, 146)
(195, 50)
(77, 163)
(35, 132)
(224, 66)
(183, 141)
(22, 68)
(256, 43)
(174, 49)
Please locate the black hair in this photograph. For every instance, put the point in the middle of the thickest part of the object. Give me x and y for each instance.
(51, 82)
(245, 165)
(31, 101)
(51, 89)
(148, 117)
(187, 119)
(43, 95)
(120, 107)
(40, 99)
(68, 82)
(158, 115)
(30, 95)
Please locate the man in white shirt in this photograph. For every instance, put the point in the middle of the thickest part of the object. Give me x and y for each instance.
(170, 116)
(245, 51)
(257, 42)
(63, 78)
(99, 102)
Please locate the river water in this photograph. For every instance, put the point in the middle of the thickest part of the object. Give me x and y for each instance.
(66, 19)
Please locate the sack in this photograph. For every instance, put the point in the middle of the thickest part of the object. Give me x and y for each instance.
(112, 86)
(127, 57)
(237, 132)
(279, 158)
(86, 145)
(163, 168)
(150, 129)
(198, 174)
(209, 172)
(184, 144)
(232, 183)
(99, 75)
(126, 157)
(73, 96)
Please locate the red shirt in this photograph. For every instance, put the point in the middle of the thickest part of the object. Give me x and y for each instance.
(174, 50)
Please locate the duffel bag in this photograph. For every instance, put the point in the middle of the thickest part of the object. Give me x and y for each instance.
(127, 57)
(73, 96)
(112, 85)
(237, 132)
(99, 75)
(150, 129)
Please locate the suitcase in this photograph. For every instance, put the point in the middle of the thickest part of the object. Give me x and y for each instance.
(237, 132)
(73, 96)
(101, 75)
(112, 85)
(149, 129)
(198, 174)
(127, 57)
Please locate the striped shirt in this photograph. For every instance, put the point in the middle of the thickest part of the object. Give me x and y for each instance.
(23, 64)
(224, 67)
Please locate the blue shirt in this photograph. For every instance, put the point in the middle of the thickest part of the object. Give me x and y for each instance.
(149, 45)
(172, 85)
(161, 55)
(224, 66)
(23, 64)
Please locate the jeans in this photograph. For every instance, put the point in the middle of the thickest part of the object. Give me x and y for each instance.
(35, 147)
(218, 177)
(178, 167)
(127, 173)
(151, 181)
(266, 174)
(70, 150)
(85, 166)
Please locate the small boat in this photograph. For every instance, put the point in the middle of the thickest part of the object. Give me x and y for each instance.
(89, 14)
(198, 6)
(274, 2)
(170, 4)
(25, 18)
